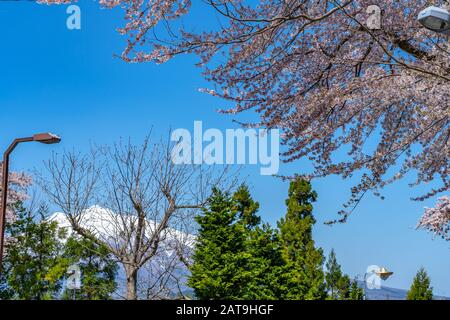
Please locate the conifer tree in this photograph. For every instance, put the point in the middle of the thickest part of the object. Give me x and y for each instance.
(39, 254)
(236, 257)
(333, 277)
(303, 276)
(266, 263)
(338, 285)
(98, 269)
(356, 293)
(219, 269)
(261, 247)
(335, 281)
(246, 207)
(420, 288)
(33, 264)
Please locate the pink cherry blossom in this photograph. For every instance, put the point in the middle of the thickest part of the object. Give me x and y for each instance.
(18, 184)
(378, 100)
(437, 219)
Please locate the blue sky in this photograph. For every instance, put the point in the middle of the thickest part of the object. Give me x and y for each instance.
(54, 79)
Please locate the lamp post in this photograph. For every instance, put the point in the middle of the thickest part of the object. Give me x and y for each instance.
(46, 138)
(383, 273)
(435, 19)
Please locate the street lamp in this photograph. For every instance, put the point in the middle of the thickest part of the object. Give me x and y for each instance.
(435, 19)
(46, 138)
(382, 273)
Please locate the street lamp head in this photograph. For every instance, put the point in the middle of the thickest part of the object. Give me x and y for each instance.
(435, 19)
(384, 274)
(47, 138)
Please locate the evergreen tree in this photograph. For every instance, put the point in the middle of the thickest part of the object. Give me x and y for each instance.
(97, 266)
(420, 288)
(266, 263)
(333, 276)
(246, 207)
(338, 285)
(262, 247)
(356, 293)
(220, 268)
(235, 257)
(303, 276)
(33, 264)
(38, 255)
(6, 293)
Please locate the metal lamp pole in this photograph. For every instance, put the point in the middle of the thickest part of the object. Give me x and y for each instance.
(365, 286)
(46, 138)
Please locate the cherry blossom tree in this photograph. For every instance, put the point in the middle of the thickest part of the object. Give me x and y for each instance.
(437, 219)
(377, 97)
(17, 191)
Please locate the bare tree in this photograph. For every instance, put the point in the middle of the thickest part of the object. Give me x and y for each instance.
(146, 201)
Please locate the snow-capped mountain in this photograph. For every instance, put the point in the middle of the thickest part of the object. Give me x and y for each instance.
(164, 274)
(108, 225)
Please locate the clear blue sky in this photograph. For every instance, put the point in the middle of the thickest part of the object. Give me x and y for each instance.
(68, 82)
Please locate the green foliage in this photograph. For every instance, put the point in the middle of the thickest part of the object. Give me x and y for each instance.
(38, 255)
(338, 285)
(266, 263)
(356, 293)
(6, 293)
(237, 257)
(303, 276)
(33, 259)
(246, 207)
(335, 281)
(420, 288)
(98, 269)
(219, 269)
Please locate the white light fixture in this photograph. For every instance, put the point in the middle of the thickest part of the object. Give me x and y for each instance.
(435, 19)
